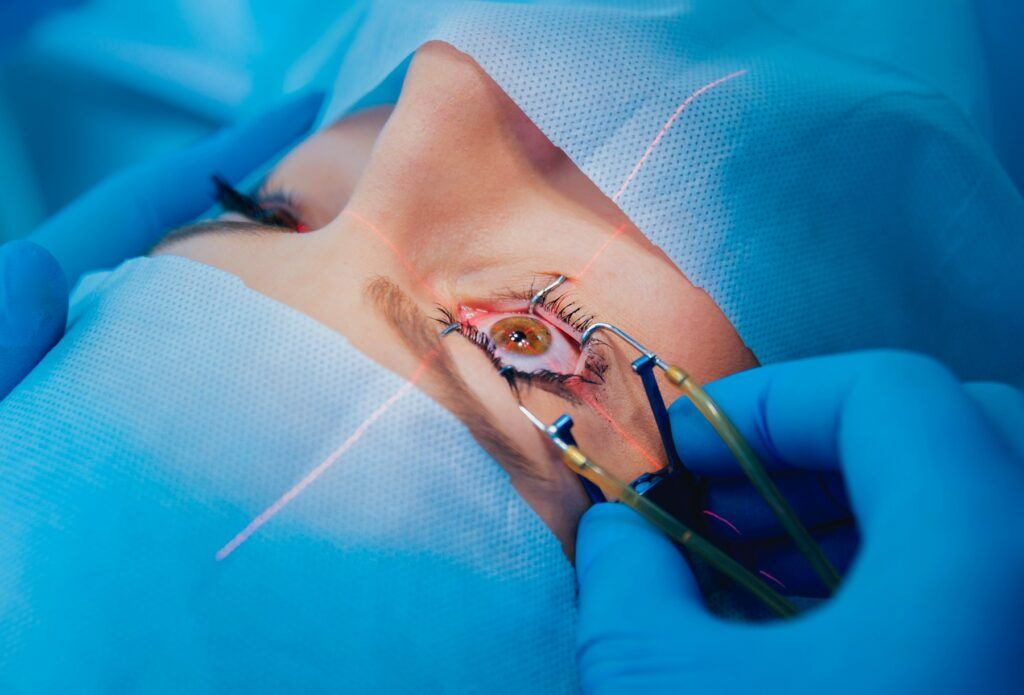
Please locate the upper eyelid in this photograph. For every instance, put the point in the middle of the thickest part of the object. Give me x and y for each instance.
(274, 194)
(555, 383)
(570, 311)
(591, 354)
(267, 207)
(268, 185)
(562, 306)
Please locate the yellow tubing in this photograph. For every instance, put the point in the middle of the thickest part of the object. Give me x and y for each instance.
(757, 475)
(579, 463)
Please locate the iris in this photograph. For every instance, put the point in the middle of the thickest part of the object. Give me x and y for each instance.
(522, 335)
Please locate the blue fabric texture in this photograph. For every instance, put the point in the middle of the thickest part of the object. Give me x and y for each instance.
(122, 217)
(830, 178)
(178, 407)
(852, 187)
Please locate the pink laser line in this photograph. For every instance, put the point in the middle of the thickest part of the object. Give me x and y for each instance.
(668, 124)
(268, 513)
(774, 579)
(398, 254)
(725, 521)
(647, 154)
(310, 477)
(597, 254)
(619, 429)
(622, 432)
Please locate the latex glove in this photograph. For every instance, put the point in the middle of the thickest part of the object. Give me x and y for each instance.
(932, 601)
(123, 216)
(738, 519)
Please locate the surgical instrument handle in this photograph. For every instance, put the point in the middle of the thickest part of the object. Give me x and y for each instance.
(578, 462)
(739, 447)
(757, 475)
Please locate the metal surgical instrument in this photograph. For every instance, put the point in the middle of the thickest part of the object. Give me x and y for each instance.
(732, 438)
(582, 465)
(539, 297)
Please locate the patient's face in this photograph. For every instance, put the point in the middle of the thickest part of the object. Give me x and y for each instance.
(453, 206)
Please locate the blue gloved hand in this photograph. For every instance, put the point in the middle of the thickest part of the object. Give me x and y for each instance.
(738, 519)
(931, 603)
(121, 217)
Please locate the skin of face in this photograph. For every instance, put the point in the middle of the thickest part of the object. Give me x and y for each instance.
(454, 198)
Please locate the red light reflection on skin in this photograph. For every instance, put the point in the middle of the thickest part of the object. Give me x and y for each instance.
(597, 254)
(721, 518)
(582, 394)
(357, 434)
(652, 460)
(398, 255)
(647, 154)
(654, 463)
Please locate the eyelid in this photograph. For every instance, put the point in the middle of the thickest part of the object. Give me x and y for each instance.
(277, 197)
(521, 306)
(561, 357)
(560, 312)
(281, 200)
(270, 208)
(589, 366)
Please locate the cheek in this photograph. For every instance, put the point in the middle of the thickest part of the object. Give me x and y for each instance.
(615, 423)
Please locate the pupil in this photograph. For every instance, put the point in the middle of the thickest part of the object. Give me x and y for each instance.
(518, 337)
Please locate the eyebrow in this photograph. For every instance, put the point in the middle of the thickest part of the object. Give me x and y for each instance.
(421, 335)
(207, 227)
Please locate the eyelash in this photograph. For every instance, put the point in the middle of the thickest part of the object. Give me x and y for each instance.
(567, 312)
(563, 309)
(257, 208)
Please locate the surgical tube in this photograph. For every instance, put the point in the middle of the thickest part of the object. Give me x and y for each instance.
(757, 475)
(677, 531)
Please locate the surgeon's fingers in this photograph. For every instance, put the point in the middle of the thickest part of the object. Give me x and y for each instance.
(126, 214)
(1003, 405)
(33, 309)
(734, 510)
(623, 562)
(805, 399)
(900, 426)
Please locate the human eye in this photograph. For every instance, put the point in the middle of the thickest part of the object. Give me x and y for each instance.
(540, 349)
(274, 208)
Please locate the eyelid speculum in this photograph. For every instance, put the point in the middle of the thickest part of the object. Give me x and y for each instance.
(539, 297)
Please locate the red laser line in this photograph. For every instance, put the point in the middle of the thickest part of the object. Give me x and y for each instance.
(721, 518)
(279, 504)
(622, 432)
(774, 579)
(597, 254)
(608, 242)
(655, 463)
(310, 477)
(398, 254)
(668, 124)
(646, 155)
